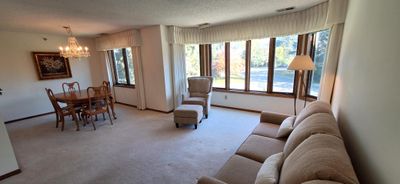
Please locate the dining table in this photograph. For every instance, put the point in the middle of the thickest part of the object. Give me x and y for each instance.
(77, 98)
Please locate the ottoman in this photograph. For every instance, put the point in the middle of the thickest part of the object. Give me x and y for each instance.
(188, 114)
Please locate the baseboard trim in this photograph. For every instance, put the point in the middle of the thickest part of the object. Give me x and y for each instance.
(167, 112)
(29, 117)
(126, 104)
(235, 108)
(12, 173)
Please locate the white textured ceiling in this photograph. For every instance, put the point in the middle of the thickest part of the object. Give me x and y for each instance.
(92, 17)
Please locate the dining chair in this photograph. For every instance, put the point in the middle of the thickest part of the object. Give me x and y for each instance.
(61, 112)
(98, 104)
(110, 97)
(71, 87)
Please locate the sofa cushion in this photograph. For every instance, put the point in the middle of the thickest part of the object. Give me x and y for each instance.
(310, 109)
(195, 101)
(286, 127)
(321, 182)
(239, 170)
(266, 129)
(259, 148)
(316, 123)
(319, 157)
(269, 171)
(188, 111)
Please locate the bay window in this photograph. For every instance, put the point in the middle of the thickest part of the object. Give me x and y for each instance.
(237, 67)
(259, 66)
(218, 65)
(192, 60)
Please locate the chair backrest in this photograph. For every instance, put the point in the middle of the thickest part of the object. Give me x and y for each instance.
(107, 85)
(71, 87)
(98, 97)
(199, 86)
(53, 100)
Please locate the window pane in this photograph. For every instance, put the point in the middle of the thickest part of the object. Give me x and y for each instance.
(237, 64)
(321, 45)
(259, 64)
(119, 66)
(285, 51)
(192, 59)
(130, 66)
(218, 64)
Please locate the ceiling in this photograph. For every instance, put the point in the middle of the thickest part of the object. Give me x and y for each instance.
(92, 17)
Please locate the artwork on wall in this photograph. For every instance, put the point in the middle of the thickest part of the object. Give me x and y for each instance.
(50, 65)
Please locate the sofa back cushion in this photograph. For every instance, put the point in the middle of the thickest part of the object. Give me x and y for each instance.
(310, 109)
(320, 157)
(316, 123)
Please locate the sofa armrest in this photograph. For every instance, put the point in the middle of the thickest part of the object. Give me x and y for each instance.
(272, 117)
(209, 180)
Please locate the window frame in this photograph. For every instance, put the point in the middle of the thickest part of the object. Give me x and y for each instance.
(125, 59)
(311, 53)
(271, 62)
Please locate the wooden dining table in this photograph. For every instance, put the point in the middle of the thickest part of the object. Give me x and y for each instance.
(74, 99)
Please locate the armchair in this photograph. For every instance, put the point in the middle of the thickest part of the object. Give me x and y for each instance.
(199, 93)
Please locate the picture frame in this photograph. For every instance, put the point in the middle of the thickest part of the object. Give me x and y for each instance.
(50, 65)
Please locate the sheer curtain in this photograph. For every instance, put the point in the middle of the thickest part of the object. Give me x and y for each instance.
(331, 63)
(137, 61)
(179, 72)
(132, 39)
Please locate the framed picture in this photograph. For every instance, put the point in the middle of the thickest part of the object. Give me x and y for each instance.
(50, 65)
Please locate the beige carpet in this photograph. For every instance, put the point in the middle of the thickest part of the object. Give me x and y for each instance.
(141, 147)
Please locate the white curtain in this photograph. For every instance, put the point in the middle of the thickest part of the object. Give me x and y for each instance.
(331, 63)
(139, 82)
(179, 72)
(132, 39)
(318, 17)
(123, 39)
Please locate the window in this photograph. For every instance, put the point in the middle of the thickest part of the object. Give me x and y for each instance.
(237, 56)
(123, 66)
(318, 53)
(259, 64)
(218, 64)
(285, 51)
(192, 59)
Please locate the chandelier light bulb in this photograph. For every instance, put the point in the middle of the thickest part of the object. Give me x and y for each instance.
(73, 48)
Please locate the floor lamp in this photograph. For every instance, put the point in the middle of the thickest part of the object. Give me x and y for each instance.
(301, 63)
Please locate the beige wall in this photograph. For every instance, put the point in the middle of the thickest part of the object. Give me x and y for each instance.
(256, 102)
(24, 93)
(8, 163)
(155, 68)
(366, 98)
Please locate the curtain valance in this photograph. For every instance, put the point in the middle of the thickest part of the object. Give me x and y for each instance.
(315, 18)
(123, 39)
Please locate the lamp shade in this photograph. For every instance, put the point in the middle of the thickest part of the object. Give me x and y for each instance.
(302, 62)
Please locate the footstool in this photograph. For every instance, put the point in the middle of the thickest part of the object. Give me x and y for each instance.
(188, 114)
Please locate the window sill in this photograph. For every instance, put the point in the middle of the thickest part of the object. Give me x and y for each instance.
(124, 86)
(309, 98)
(260, 93)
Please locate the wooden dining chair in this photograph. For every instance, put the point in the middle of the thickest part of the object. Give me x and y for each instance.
(98, 104)
(61, 112)
(71, 87)
(110, 97)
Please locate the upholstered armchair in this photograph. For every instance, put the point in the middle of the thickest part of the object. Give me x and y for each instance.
(199, 93)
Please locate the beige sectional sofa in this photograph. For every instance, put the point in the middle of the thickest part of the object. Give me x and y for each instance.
(314, 151)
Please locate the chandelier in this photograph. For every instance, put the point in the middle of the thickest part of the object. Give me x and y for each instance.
(73, 49)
